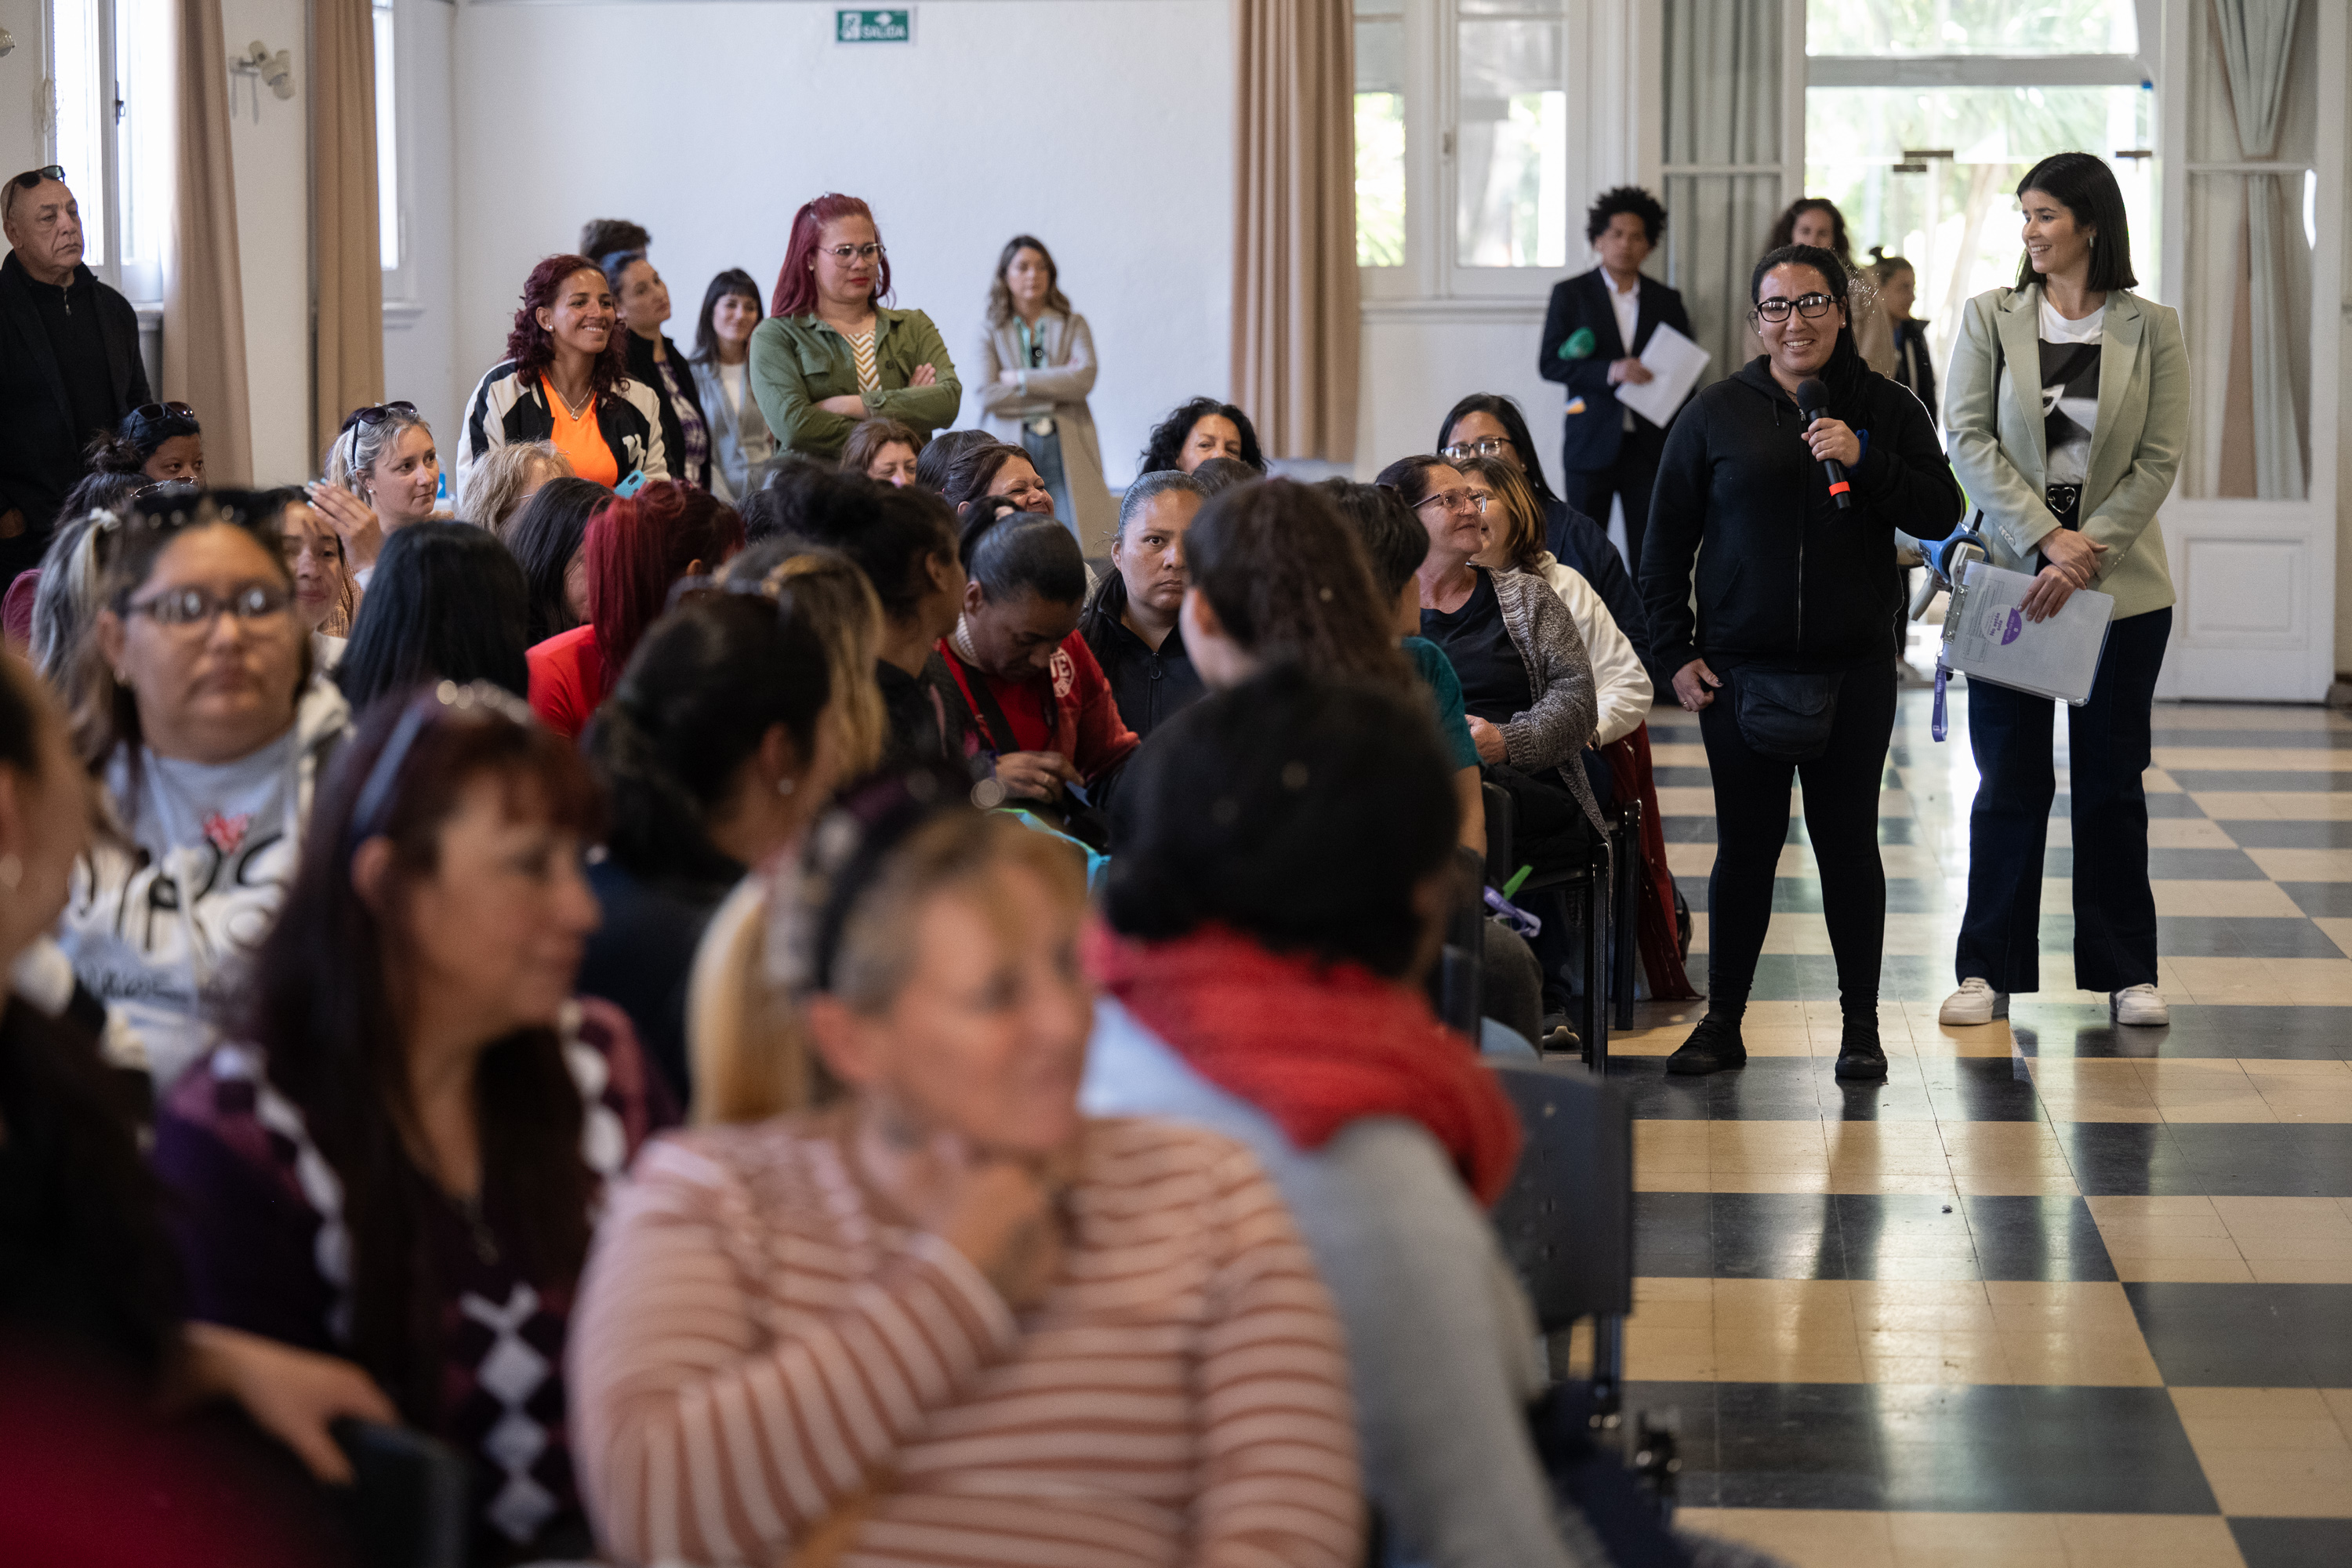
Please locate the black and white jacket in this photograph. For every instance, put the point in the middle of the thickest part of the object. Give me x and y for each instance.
(505, 408)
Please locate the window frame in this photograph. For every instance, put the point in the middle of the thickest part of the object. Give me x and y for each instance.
(400, 282)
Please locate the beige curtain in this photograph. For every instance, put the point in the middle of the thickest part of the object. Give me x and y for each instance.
(204, 289)
(347, 339)
(1295, 323)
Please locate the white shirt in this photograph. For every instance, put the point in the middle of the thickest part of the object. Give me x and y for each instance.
(1627, 304)
(730, 384)
(1620, 685)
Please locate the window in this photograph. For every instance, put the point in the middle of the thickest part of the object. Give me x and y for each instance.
(110, 131)
(1511, 134)
(387, 137)
(143, 141)
(1970, 28)
(84, 89)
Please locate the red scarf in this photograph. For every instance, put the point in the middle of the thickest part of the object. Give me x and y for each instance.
(1314, 1045)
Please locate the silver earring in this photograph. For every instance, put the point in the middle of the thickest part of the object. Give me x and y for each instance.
(12, 872)
(786, 785)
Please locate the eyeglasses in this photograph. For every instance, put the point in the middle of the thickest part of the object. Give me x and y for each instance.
(192, 608)
(846, 254)
(1452, 501)
(1484, 447)
(377, 414)
(1810, 306)
(476, 701)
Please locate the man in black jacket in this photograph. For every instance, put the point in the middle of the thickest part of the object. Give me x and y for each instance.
(69, 367)
(1608, 451)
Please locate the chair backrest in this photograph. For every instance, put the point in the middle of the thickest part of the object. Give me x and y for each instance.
(1567, 1220)
(1502, 832)
(407, 1507)
(1455, 984)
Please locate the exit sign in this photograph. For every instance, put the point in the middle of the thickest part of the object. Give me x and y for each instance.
(874, 27)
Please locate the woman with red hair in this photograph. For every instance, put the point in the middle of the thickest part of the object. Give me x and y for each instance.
(636, 548)
(565, 380)
(831, 355)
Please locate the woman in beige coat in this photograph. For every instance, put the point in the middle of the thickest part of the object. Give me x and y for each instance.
(1036, 362)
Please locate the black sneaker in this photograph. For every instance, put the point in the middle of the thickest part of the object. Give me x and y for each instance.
(1860, 1060)
(1714, 1046)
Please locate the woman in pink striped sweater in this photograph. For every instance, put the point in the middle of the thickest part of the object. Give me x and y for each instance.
(942, 1319)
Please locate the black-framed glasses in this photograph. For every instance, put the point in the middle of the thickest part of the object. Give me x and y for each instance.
(1810, 306)
(376, 413)
(846, 254)
(479, 700)
(195, 609)
(1484, 447)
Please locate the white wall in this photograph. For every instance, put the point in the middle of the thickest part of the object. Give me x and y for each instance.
(20, 88)
(1420, 361)
(421, 362)
(1105, 129)
(273, 235)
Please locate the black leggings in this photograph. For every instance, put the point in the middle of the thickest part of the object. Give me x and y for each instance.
(1751, 820)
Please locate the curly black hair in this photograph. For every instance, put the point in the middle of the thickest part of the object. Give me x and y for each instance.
(1166, 443)
(1626, 199)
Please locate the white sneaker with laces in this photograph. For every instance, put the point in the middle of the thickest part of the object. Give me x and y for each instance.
(1976, 1001)
(2139, 1005)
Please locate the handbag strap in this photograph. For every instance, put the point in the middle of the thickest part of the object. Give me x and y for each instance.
(987, 711)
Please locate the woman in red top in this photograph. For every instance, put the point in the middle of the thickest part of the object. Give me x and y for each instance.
(636, 549)
(1040, 705)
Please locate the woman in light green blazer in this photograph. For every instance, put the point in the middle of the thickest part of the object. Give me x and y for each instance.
(2065, 410)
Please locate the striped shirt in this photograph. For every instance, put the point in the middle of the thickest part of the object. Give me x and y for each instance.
(758, 1348)
(861, 349)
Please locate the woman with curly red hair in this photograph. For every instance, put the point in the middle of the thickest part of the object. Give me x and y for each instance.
(831, 355)
(636, 548)
(565, 380)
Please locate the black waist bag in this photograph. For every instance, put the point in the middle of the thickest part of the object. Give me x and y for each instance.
(1785, 714)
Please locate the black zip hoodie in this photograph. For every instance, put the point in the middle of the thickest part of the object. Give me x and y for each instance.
(1784, 578)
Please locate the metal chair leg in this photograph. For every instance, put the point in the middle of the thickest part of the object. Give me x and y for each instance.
(1628, 875)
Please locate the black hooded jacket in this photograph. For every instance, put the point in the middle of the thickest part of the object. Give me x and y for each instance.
(1784, 578)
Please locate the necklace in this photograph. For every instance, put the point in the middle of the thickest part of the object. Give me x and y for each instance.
(575, 409)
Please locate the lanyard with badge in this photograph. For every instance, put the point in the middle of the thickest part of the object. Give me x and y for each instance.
(1033, 357)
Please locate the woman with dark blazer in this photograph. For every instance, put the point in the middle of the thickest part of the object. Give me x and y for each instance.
(2068, 406)
(1594, 332)
(654, 361)
(1790, 662)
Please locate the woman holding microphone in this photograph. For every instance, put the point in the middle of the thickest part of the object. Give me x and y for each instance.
(2068, 404)
(1790, 662)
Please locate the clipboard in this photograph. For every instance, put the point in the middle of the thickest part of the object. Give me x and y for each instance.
(1988, 638)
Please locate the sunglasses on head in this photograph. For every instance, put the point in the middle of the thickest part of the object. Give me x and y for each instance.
(376, 413)
(149, 414)
(32, 177)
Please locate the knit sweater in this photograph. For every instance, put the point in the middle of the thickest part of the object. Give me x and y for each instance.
(1553, 733)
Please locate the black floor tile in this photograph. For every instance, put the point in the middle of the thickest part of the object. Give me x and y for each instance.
(2202, 866)
(2290, 834)
(2272, 740)
(2228, 936)
(2134, 1159)
(1675, 775)
(2293, 1543)
(1962, 1450)
(1813, 977)
(1688, 829)
(2260, 1336)
(2268, 1159)
(2168, 803)
(2319, 900)
(2272, 780)
(1782, 1236)
(2267, 1034)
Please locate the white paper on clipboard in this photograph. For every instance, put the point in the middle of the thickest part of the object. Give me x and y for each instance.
(1675, 364)
(1989, 637)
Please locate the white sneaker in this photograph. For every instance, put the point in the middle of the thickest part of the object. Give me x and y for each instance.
(2140, 1005)
(1976, 1001)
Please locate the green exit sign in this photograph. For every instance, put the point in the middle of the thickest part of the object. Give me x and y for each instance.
(874, 27)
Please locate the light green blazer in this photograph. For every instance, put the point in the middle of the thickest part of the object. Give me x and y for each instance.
(1994, 434)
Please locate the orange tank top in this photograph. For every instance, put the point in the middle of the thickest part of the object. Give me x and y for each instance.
(581, 440)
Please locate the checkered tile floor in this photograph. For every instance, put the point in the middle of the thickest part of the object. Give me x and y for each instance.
(2055, 1293)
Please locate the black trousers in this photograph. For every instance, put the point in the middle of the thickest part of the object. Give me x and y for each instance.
(2107, 744)
(1751, 818)
(1631, 480)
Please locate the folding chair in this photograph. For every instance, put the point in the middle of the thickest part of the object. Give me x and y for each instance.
(1455, 985)
(1589, 888)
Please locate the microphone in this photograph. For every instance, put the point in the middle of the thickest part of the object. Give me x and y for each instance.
(1813, 402)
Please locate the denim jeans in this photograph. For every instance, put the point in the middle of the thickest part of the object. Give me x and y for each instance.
(2108, 748)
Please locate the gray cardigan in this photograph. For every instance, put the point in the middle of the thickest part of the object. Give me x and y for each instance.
(1566, 713)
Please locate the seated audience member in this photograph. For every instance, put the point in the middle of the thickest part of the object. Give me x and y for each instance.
(1220, 474)
(743, 448)
(904, 540)
(1514, 529)
(832, 353)
(565, 381)
(714, 752)
(325, 602)
(994, 468)
(159, 442)
(383, 474)
(882, 450)
(636, 548)
(397, 1154)
(1264, 972)
(1488, 425)
(1526, 681)
(448, 603)
(1197, 431)
(199, 715)
(937, 1193)
(503, 482)
(65, 584)
(1273, 575)
(827, 592)
(1034, 699)
(940, 453)
(91, 1292)
(549, 540)
(642, 300)
(1130, 621)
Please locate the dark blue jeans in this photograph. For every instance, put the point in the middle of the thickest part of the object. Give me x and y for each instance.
(2107, 742)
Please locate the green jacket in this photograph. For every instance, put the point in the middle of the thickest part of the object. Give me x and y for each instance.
(1995, 436)
(798, 362)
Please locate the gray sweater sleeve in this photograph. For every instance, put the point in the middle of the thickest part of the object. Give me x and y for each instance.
(1441, 1347)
